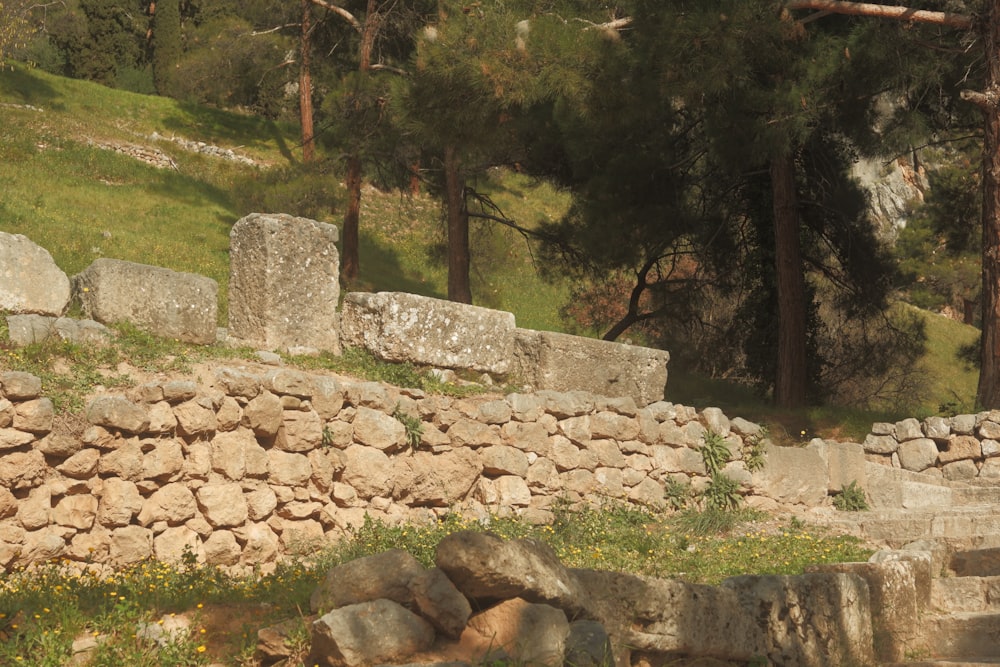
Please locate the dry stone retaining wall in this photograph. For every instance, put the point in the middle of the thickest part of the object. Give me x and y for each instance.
(964, 448)
(256, 462)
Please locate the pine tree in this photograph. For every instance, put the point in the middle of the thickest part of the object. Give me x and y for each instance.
(166, 44)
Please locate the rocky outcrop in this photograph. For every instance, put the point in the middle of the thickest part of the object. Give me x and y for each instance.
(284, 283)
(513, 601)
(30, 281)
(182, 306)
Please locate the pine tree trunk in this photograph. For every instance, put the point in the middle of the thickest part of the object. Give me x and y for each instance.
(459, 288)
(305, 87)
(350, 260)
(790, 375)
(988, 392)
(349, 245)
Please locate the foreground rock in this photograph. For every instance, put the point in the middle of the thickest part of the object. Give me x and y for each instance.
(30, 281)
(283, 283)
(388, 609)
(171, 304)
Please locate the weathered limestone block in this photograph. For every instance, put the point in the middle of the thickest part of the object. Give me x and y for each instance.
(355, 635)
(125, 462)
(588, 645)
(960, 470)
(440, 602)
(918, 454)
(287, 468)
(120, 501)
(548, 360)
(20, 386)
(880, 444)
(22, 470)
(284, 282)
(470, 433)
(117, 412)
(36, 510)
(229, 452)
(792, 475)
(845, 463)
(812, 619)
(395, 326)
(503, 460)
(440, 480)
(670, 616)
(42, 545)
(171, 545)
(961, 447)
(194, 418)
(484, 566)
(30, 281)
(167, 303)
(75, 512)
(937, 428)
(898, 584)
(222, 505)
(388, 575)
(261, 502)
(263, 414)
(11, 438)
(34, 416)
(379, 430)
(129, 545)
(908, 429)
(164, 461)
(173, 503)
(531, 634)
(221, 548)
(29, 329)
(262, 545)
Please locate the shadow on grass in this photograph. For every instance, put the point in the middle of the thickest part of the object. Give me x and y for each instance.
(381, 271)
(20, 86)
(216, 125)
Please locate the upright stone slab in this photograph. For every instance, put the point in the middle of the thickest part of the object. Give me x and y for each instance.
(395, 326)
(284, 283)
(562, 362)
(166, 303)
(30, 282)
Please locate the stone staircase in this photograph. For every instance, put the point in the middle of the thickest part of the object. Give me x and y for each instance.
(958, 523)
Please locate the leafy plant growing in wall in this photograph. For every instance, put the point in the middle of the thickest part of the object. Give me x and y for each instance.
(414, 427)
(851, 499)
(722, 492)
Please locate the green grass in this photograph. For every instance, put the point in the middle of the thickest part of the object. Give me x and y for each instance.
(43, 610)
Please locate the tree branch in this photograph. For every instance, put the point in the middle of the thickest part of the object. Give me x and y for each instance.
(986, 101)
(950, 19)
(339, 11)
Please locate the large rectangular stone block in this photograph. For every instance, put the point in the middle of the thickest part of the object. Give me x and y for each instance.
(284, 283)
(162, 302)
(562, 362)
(395, 326)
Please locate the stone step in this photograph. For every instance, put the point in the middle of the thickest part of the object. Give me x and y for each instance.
(960, 528)
(967, 636)
(966, 594)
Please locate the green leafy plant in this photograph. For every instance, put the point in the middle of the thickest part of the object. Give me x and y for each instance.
(414, 427)
(327, 438)
(715, 452)
(754, 456)
(722, 493)
(676, 494)
(851, 499)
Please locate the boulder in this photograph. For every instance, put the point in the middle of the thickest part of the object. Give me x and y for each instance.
(162, 302)
(284, 283)
(30, 281)
(356, 636)
(400, 327)
(388, 575)
(548, 360)
(792, 476)
(485, 567)
(29, 329)
(530, 634)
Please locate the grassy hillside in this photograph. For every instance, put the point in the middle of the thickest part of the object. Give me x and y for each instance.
(82, 201)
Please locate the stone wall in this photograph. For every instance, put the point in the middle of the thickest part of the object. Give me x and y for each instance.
(964, 448)
(255, 462)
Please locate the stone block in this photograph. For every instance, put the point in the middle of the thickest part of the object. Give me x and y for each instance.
(284, 283)
(166, 303)
(792, 475)
(30, 281)
(548, 360)
(918, 454)
(845, 462)
(400, 327)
